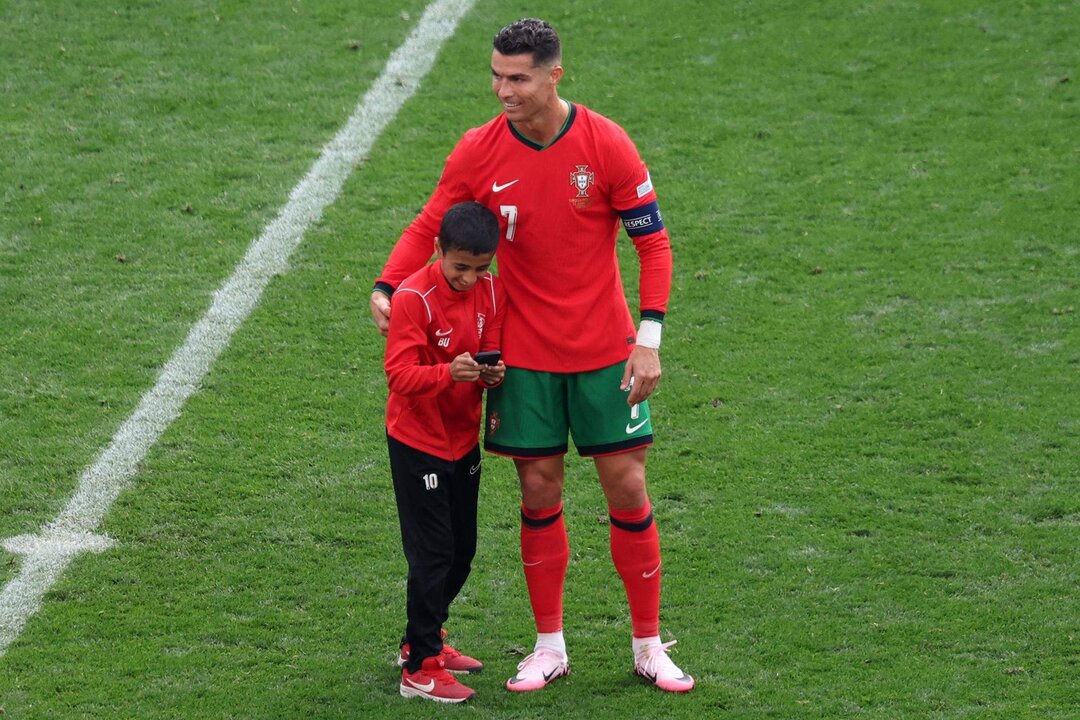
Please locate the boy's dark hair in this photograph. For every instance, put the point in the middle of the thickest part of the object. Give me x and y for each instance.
(533, 36)
(471, 227)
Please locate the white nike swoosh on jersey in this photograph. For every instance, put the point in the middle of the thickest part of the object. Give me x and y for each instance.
(496, 187)
(630, 429)
(422, 688)
(443, 333)
(648, 575)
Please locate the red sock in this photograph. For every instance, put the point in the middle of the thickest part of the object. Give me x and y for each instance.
(635, 550)
(545, 553)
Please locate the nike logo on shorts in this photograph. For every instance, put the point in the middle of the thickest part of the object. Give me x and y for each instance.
(631, 429)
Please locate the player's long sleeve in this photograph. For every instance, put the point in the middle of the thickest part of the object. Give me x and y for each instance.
(654, 255)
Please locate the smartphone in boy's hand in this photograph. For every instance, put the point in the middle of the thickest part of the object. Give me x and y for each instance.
(488, 357)
(492, 369)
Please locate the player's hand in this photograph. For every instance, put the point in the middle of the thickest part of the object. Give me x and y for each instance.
(492, 374)
(380, 311)
(643, 366)
(464, 369)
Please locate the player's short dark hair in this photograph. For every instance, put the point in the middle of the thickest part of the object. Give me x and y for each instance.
(471, 227)
(533, 36)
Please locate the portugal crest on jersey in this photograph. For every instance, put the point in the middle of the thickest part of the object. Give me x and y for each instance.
(582, 179)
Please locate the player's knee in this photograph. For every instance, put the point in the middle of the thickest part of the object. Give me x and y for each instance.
(628, 497)
(539, 493)
(541, 482)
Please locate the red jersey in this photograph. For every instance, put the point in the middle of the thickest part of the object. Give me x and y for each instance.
(559, 209)
(430, 325)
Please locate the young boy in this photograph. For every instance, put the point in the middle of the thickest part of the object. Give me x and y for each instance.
(441, 317)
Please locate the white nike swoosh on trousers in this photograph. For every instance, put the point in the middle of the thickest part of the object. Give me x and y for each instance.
(630, 429)
(496, 187)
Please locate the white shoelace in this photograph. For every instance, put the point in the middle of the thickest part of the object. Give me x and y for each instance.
(656, 661)
(538, 656)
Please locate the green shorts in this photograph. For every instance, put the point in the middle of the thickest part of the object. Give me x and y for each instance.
(532, 414)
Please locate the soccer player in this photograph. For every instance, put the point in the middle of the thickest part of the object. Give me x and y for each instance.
(442, 316)
(563, 179)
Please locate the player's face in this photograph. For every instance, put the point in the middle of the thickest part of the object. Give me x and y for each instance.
(525, 91)
(462, 269)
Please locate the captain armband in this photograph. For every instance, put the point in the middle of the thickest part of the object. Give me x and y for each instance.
(642, 220)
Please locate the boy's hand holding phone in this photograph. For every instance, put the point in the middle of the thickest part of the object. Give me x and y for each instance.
(492, 374)
(492, 367)
(464, 369)
(486, 366)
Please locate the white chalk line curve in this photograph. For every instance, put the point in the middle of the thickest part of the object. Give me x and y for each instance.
(45, 556)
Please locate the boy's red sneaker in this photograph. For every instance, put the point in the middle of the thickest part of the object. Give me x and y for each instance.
(452, 659)
(433, 682)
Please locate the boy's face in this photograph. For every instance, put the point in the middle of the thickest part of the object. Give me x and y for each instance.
(463, 269)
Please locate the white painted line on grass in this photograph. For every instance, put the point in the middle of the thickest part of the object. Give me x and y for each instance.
(45, 556)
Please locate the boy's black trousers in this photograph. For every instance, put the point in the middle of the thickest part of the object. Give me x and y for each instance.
(436, 502)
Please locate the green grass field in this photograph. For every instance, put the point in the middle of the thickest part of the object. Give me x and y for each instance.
(868, 429)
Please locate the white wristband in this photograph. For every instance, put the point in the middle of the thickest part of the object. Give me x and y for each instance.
(648, 334)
